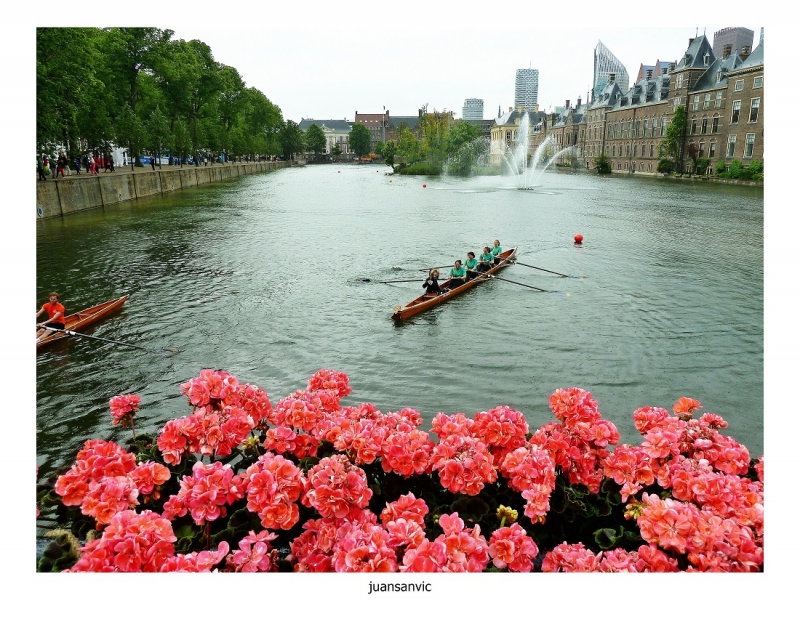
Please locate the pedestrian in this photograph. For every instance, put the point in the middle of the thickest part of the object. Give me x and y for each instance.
(153, 160)
(92, 165)
(77, 163)
(86, 163)
(40, 167)
(110, 161)
(66, 164)
(106, 164)
(60, 165)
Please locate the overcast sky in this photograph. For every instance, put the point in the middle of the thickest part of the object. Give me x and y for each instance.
(324, 74)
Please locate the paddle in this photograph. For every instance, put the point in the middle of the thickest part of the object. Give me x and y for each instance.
(493, 276)
(527, 265)
(163, 351)
(431, 268)
(395, 281)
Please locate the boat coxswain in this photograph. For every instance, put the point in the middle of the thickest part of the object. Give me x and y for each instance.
(458, 274)
(431, 284)
(55, 314)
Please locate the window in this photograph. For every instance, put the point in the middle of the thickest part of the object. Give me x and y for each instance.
(737, 104)
(638, 128)
(677, 102)
(663, 126)
(718, 100)
(651, 151)
(646, 125)
(758, 81)
(702, 149)
(679, 81)
(655, 127)
(715, 124)
(694, 127)
(627, 152)
(754, 104)
(739, 86)
(704, 126)
(749, 142)
(634, 151)
(614, 150)
(707, 100)
(630, 129)
(696, 102)
(712, 150)
(731, 145)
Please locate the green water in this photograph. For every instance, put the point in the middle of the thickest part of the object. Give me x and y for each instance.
(261, 276)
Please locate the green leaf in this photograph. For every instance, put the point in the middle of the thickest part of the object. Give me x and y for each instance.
(605, 538)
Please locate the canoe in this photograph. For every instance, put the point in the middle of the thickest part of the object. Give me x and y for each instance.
(423, 303)
(77, 321)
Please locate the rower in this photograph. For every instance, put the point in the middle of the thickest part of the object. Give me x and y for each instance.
(496, 251)
(55, 313)
(486, 260)
(431, 284)
(458, 274)
(471, 266)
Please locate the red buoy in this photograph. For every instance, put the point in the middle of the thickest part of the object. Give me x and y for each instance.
(424, 185)
(578, 238)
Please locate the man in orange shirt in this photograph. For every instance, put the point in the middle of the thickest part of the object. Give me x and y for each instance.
(55, 314)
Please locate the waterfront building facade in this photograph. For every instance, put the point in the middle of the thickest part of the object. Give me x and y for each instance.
(376, 124)
(526, 89)
(737, 37)
(605, 64)
(473, 109)
(743, 138)
(337, 132)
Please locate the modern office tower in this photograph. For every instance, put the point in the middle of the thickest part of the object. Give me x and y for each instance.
(761, 37)
(473, 109)
(526, 89)
(737, 37)
(606, 64)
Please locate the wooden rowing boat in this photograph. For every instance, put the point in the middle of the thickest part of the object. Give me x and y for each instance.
(76, 321)
(424, 302)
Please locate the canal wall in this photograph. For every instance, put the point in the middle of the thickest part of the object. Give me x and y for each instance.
(77, 193)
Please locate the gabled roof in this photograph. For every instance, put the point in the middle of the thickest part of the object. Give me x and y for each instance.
(716, 76)
(608, 97)
(695, 54)
(755, 58)
(334, 125)
(412, 121)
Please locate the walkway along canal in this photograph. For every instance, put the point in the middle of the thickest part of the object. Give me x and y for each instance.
(77, 193)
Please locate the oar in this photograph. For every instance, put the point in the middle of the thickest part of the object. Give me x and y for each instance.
(527, 265)
(433, 267)
(395, 281)
(494, 276)
(168, 351)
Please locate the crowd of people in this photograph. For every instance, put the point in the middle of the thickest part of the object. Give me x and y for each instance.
(61, 165)
(460, 274)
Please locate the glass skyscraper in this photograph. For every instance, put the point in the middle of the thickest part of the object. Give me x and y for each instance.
(473, 109)
(606, 64)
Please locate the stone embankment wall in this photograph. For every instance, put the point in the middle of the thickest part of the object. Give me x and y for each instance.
(76, 193)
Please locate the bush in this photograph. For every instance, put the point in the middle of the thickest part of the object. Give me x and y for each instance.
(702, 166)
(665, 166)
(602, 165)
(720, 168)
(422, 167)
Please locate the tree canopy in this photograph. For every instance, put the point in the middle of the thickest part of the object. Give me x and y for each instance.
(315, 139)
(360, 140)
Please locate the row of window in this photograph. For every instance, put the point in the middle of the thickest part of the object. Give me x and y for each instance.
(758, 81)
(638, 129)
(707, 101)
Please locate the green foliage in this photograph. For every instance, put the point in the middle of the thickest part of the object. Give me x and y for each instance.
(665, 166)
(157, 131)
(359, 140)
(720, 167)
(388, 153)
(315, 139)
(336, 150)
(379, 148)
(461, 133)
(701, 167)
(434, 129)
(470, 155)
(602, 164)
(421, 167)
(737, 170)
(670, 146)
(292, 139)
(409, 147)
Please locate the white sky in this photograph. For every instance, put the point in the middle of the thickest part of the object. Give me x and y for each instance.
(436, 64)
(327, 60)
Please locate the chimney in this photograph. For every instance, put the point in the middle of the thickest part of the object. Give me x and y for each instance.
(726, 51)
(611, 77)
(649, 74)
(579, 103)
(745, 52)
(567, 106)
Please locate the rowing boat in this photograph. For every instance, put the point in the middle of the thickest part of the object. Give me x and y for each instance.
(425, 302)
(84, 318)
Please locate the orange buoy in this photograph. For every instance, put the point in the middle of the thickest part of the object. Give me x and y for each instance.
(578, 238)
(424, 185)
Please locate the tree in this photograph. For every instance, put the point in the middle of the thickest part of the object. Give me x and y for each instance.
(671, 147)
(702, 165)
(409, 147)
(157, 132)
(315, 139)
(665, 166)
(693, 152)
(379, 147)
(434, 128)
(181, 142)
(292, 139)
(336, 150)
(461, 133)
(360, 140)
(602, 164)
(388, 153)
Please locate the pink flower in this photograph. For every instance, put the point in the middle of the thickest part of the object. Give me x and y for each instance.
(195, 562)
(647, 418)
(408, 507)
(273, 486)
(512, 548)
(337, 487)
(205, 492)
(254, 554)
(464, 464)
(330, 381)
(124, 406)
(685, 407)
(570, 558)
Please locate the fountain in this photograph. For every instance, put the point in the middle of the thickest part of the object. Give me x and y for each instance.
(516, 159)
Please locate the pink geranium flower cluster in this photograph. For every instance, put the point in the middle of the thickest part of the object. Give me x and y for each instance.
(406, 450)
(336, 487)
(572, 558)
(273, 486)
(205, 432)
(404, 521)
(285, 439)
(205, 493)
(464, 464)
(105, 480)
(355, 543)
(330, 381)
(254, 555)
(510, 547)
(211, 387)
(530, 470)
(578, 442)
(195, 562)
(123, 408)
(630, 467)
(502, 429)
(457, 550)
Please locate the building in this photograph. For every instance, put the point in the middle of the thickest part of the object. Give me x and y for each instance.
(504, 131)
(526, 90)
(337, 132)
(376, 123)
(736, 37)
(606, 64)
(648, 71)
(473, 109)
(744, 110)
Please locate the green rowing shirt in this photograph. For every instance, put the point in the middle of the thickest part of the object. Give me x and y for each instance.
(458, 273)
(471, 264)
(487, 257)
(496, 250)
